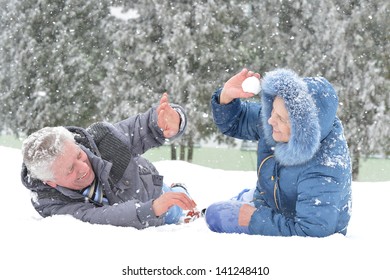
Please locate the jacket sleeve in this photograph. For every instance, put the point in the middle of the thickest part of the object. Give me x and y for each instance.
(142, 132)
(320, 200)
(237, 119)
(131, 213)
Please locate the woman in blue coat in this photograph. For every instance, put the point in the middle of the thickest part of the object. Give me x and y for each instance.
(304, 169)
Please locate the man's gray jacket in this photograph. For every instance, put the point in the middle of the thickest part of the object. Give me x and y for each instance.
(130, 182)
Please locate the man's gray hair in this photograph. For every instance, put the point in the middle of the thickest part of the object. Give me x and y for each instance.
(41, 149)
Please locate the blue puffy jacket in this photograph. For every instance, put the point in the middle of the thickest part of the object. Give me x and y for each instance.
(304, 185)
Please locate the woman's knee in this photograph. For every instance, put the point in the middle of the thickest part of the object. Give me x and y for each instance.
(223, 217)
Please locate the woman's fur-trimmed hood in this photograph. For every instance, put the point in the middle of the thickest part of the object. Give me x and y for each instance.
(311, 104)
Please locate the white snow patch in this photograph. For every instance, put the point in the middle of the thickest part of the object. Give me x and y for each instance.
(119, 14)
(32, 245)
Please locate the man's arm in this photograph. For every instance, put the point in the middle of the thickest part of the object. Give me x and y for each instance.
(150, 129)
(132, 213)
(168, 119)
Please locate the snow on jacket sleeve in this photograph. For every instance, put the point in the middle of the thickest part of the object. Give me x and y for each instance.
(126, 214)
(142, 131)
(237, 119)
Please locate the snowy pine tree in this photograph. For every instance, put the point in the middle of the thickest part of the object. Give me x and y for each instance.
(66, 62)
(52, 51)
(347, 42)
(186, 48)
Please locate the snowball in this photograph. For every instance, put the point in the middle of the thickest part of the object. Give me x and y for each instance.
(252, 85)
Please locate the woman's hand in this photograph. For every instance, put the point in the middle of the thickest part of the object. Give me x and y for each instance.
(233, 87)
(245, 215)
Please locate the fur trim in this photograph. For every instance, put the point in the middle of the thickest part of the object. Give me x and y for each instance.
(303, 113)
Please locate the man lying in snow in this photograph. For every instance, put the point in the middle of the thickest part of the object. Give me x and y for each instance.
(98, 175)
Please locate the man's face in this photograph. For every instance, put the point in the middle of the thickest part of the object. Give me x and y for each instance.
(72, 169)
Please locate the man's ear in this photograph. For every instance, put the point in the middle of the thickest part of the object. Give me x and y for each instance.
(51, 184)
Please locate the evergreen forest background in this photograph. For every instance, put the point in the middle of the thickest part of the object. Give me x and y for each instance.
(69, 62)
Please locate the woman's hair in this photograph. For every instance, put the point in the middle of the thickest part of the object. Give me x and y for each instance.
(41, 149)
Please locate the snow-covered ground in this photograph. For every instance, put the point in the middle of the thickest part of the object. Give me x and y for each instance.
(64, 248)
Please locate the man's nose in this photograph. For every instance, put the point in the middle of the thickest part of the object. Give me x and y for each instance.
(82, 167)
